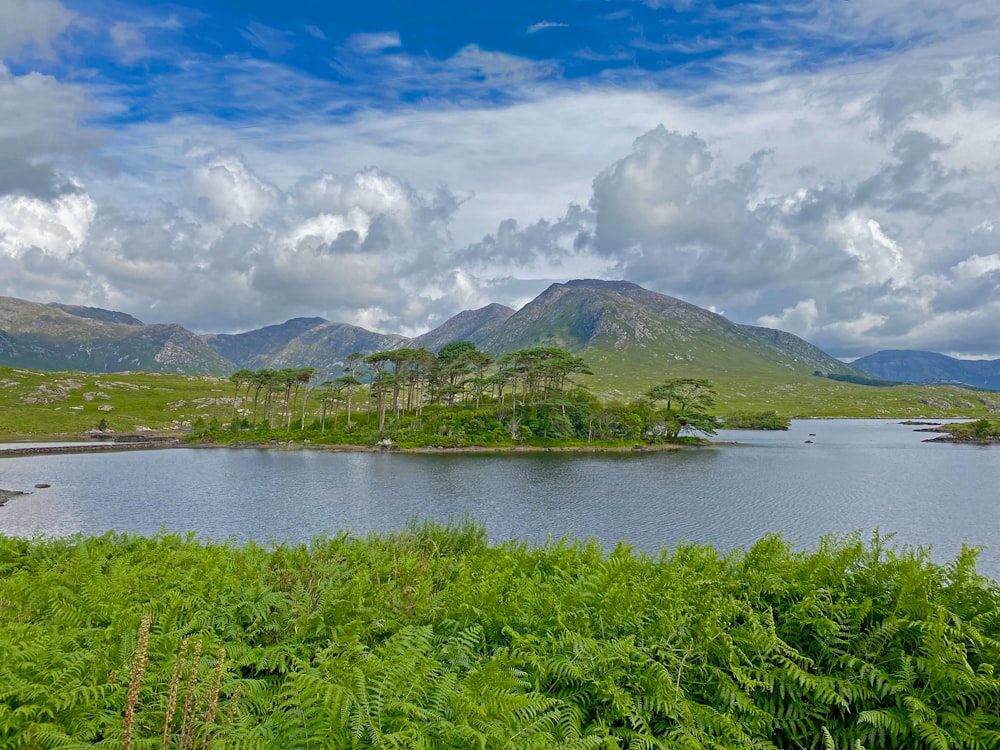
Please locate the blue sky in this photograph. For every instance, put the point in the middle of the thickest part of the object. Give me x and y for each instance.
(828, 167)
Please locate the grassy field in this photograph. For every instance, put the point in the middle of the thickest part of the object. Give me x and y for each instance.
(36, 404)
(763, 387)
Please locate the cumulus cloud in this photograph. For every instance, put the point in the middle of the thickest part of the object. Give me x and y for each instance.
(241, 251)
(31, 25)
(38, 131)
(844, 265)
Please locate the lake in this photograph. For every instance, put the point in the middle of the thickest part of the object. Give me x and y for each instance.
(855, 475)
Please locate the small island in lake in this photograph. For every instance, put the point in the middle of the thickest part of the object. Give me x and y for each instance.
(981, 432)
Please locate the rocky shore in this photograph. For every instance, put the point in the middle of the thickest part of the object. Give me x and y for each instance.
(6, 495)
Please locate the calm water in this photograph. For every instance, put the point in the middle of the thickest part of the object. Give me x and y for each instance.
(855, 475)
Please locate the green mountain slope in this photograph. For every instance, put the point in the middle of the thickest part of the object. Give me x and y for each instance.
(54, 337)
(637, 336)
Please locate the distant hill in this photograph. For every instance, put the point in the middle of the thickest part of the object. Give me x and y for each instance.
(476, 326)
(617, 322)
(65, 337)
(302, 342)
(254, 349)
(908, 366)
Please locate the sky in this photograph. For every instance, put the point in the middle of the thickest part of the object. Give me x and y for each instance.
(827, 167)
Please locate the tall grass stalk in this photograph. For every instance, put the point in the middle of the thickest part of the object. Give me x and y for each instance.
(138, 667)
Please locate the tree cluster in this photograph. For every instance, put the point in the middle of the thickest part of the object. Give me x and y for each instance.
(463, 396)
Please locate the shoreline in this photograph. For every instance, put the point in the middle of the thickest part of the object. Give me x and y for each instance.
(154, 441)
(39, 450)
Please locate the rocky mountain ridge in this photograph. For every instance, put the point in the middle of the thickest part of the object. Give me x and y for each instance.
(615, 324)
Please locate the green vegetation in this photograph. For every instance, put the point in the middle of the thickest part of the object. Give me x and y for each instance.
(460, 397)
(741, 387)
(433, 638)
(856, 379)
(760, 420)
(45, 404)
(980, 431)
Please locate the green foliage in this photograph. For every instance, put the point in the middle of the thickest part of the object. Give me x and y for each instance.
(759, 420)
(857, 379)
(679, 405)
(416, 400)
(431, 637)
(982, 430)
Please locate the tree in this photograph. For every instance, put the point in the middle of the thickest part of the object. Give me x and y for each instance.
(355, 361)
(376, 366)
(687, 404)
(453, 364)
(239, 379)
(346, 383)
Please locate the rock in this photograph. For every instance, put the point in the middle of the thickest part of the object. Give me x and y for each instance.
(42, 486)
(6, 495)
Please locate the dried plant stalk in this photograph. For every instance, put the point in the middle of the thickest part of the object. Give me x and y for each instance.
(139, 662)
(213, 697)
(175, 685)
(187, 723)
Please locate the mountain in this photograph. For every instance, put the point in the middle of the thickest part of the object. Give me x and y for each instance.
(253, 349)
(301, 342)
(96, 313)
(907, 366)
(66, 337)
(614, 322)
(629, 335)
(476, 326)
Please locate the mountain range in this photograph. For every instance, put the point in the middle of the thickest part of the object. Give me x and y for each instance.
(908, 366)
(615, 325)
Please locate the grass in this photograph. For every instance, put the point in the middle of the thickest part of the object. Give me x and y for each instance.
(798, 396)
(36, 404)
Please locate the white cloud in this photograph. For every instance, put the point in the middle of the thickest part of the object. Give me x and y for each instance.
(58, 227)
(977, 265)
(31, 24)
(235, 193)
(129, 41)
(800, 319)
(368, 44)
(542, 25)
(275, 42)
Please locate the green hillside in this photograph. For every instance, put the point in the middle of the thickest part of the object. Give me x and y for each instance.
(616, 322)
(46, 404)
(54, 337)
